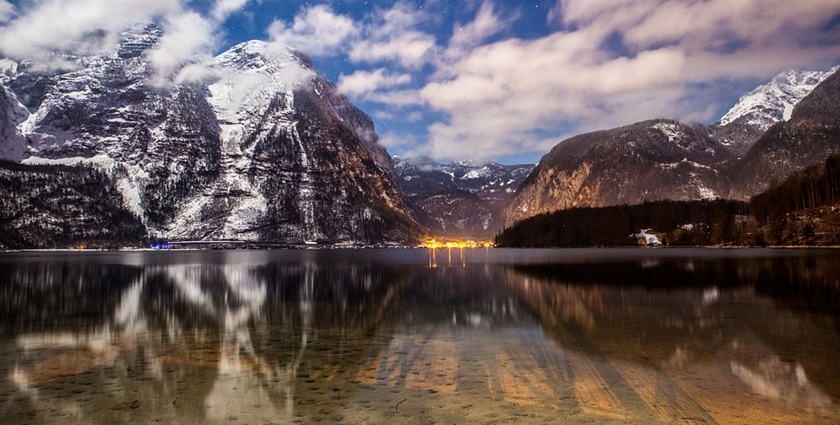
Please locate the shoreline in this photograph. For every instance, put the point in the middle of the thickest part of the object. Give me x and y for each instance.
(280, 247)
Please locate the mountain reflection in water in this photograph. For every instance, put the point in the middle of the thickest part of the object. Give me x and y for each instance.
(410, 336)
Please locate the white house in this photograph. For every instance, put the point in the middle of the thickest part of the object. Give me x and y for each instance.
(649, 238)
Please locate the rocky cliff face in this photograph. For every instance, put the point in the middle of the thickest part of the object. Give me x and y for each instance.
(651, 160)
(460, 199)
(12, 114)
(298, 161)
(263, 149)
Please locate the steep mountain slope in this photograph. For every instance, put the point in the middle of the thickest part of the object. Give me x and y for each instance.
(460, 199)
(810, 136)
(763, 107)
(295, 155)
(651, 160)
(267, 151)
(159, 144)
(12, 114)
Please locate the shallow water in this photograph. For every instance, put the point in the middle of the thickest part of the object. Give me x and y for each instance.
(419, 337)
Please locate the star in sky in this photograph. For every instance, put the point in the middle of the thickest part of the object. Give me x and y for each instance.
(484, 79)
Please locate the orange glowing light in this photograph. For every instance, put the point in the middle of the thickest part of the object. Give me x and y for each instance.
(455, 244)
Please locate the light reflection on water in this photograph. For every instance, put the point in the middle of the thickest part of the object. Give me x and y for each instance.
(413, 336)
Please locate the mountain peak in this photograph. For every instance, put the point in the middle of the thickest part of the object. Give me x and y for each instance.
(774, 101)
(765, 106)
(416, 161)
(258, 56)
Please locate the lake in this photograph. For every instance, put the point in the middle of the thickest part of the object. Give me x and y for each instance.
(414, 336)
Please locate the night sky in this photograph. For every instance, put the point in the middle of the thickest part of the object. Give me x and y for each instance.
(486, 80)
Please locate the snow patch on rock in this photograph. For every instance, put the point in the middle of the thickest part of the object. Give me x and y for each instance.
(672, 131)
(774, 102)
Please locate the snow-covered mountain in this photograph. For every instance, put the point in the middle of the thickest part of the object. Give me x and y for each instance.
(257, 145)
(769, 103)
(809, 136)
(460, 199)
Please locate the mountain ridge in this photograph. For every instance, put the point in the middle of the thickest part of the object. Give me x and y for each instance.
(668, 160)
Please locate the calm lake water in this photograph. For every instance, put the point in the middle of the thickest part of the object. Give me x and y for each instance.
(411, 336)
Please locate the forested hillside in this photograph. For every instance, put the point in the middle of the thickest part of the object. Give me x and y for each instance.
(60, 207)
(678, 223)
(804, 209)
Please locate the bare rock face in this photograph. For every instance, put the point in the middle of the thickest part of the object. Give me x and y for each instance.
(263, 148)
(12, 114)
(651, 160)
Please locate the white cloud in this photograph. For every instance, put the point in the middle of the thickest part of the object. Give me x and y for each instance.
(196, 74)
(66, 25)
(408, 144)
(508, 89)
(317, 31)
(392, 36)
(361, 83)
(397, 98)
(714, 23)
(224, 8)
(187, 36)
(43, 27)
(387, 36)
(486, 24)
(711, 25)
(392, 114)
(7, 10)
(409, 49)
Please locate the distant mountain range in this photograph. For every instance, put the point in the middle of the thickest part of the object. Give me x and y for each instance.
(460, 199)
(778, 128)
